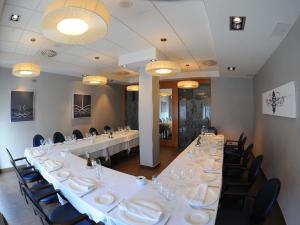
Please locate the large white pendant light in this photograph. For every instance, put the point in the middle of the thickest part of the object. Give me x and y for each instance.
(132, 88)
(26, 70)
(165, 94)
(75, 21)
(162, 68)
(187, 84)
(94, 80)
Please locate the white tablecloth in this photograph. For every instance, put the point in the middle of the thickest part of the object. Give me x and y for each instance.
(123, 186)
(99, 146)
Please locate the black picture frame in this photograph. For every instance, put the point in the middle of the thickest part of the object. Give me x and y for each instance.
(22, 106)
(82, 106)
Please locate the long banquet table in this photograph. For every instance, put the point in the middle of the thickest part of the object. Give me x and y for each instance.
(123, 186)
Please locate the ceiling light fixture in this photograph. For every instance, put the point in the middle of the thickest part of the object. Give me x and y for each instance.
(187, 84)
(163, 39)
(132, 88)
(165, 94)
(162, 68)
(231, 68)
(15, 17)
(26, 70)
(96, 57)
(237, 23)
(94, 80)
(75, 21)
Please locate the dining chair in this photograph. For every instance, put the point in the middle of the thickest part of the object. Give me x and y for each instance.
(93, 131)
(27, 171)
(107, 128)
(234, 143)
(239, 180)
(64, 214)
(263, 204)
(77, 134)
(234, 155)
(39, 188)
(37, 140)
(58, 137)
(237, 160)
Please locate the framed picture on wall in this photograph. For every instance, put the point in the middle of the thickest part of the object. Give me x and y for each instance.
(21, 106)
(82, 105)
(280, 101)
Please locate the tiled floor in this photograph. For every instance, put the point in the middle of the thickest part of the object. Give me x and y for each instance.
(13, 206)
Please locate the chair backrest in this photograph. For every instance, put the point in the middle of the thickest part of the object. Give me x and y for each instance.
(241, 137)
(77, 134)
(93, 131)
(36, 206)
(58, 137)
(265, 200)
(241, 145)
(37, 139)
(107, 128)
(255, 168)
(18, 174)
(246, 155)
(9, 154)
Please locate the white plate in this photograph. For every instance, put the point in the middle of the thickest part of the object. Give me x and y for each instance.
(197, 218)
(212, 195)
(105, 199)
(63, 174)
(132, 220)
(37, 153)
(208, 177)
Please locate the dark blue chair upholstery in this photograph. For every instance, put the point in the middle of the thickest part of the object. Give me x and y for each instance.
(37, 139)
(263, 205)
(42, 188)
(107, 128)
(93, 131)
(62, 214)
(77, 134)
(58, 137)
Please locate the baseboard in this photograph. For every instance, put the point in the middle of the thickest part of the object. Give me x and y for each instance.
(150, 167)
(7, 170)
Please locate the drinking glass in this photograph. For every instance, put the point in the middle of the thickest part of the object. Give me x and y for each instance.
(154, 180)
(99, 170)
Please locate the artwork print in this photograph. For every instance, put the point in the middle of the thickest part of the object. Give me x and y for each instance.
(81, 106)
(21, 106)
(280, 101)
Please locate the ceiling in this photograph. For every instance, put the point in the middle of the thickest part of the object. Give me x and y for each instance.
(196, 31)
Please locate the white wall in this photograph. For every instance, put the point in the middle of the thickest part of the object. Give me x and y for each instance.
(53, 109)
(278, 138)
(232, 106)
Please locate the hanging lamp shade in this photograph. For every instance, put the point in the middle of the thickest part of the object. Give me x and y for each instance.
(165, 94)
(75, 21)
(132, 88)
(26, 70)
(188, 84)
(162, 68)
(94, 80)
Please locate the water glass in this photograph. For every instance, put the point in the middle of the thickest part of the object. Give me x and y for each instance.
(99, 170)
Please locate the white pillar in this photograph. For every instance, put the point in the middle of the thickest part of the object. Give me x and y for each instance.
(149, 119)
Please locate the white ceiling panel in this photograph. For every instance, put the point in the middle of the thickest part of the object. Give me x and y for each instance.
(29, 4)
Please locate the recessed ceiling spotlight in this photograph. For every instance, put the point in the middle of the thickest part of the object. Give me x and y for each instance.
(231, 68)
(33, 39)
(237, 22)
(187, 65)
(96, 57)
(124, 66)
(163, 39)
(15, 17)
(153, 60)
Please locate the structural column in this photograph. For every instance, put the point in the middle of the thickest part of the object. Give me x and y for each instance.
(149, 119)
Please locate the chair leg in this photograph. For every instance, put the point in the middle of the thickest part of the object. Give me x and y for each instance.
(20, 186)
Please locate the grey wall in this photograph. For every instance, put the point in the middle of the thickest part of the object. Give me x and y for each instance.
(232, 106)
(278, 138)
(53, 109)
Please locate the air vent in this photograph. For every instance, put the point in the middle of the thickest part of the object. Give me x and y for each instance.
(48, 53)
(209, 62)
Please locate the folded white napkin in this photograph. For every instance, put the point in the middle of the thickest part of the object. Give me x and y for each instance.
(37, 152)
(146, 213)
(42, 159)
(198, 197)
(51, 165)
(84, 183)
